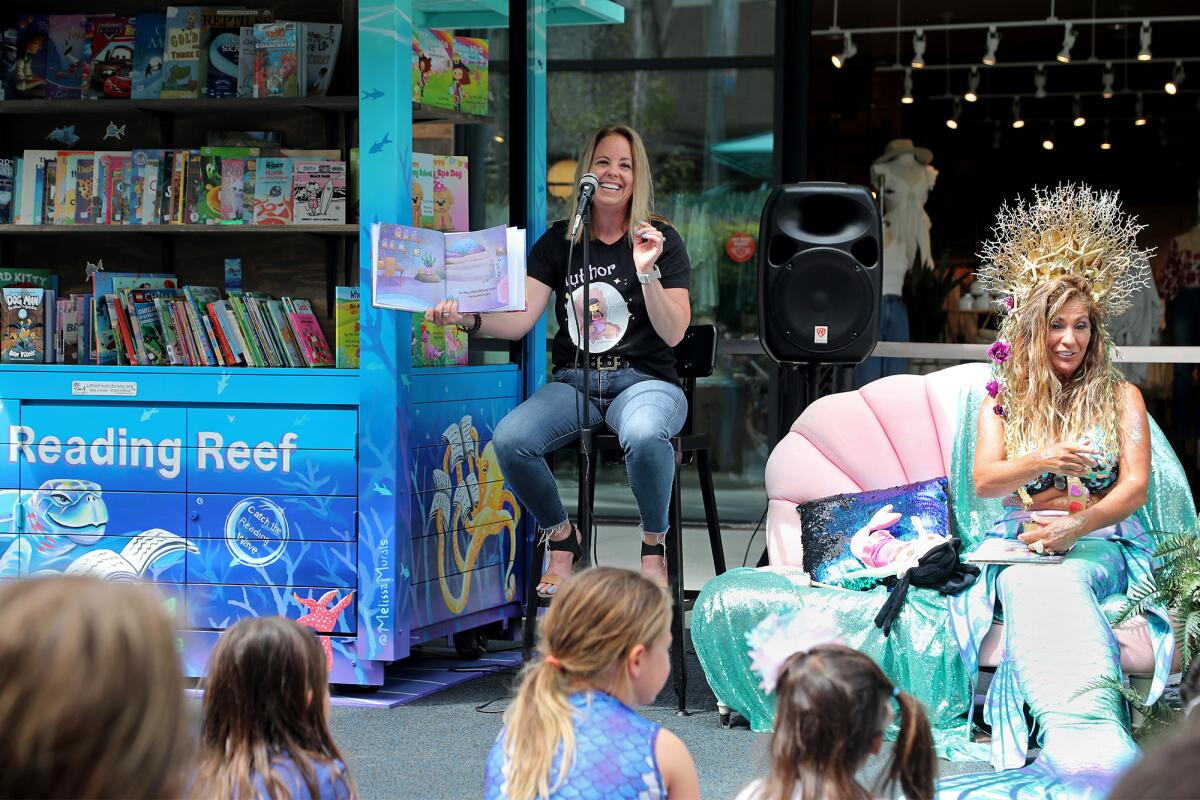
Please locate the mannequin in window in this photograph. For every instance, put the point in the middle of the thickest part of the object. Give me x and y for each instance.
(903, 177)
(1179, 285)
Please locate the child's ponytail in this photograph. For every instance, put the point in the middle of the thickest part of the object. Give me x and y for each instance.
(913, 763)
(538, 720)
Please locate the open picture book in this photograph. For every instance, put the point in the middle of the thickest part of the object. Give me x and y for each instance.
(413, 269)
(998, 550)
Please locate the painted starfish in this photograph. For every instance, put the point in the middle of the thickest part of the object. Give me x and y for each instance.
(322, 617)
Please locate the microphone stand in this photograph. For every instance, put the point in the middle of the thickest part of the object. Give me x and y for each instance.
(585, 431)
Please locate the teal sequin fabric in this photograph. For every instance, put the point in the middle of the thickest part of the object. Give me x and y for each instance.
(1058, 639)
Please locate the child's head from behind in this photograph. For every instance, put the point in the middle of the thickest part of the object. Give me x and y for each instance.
(606, 629)
(833, 706)
(91, 701)
(266, 693)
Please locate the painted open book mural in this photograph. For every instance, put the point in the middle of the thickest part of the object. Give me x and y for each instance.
(413, 269)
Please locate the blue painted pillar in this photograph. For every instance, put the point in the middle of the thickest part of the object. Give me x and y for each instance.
(535, 154)
(385, 176)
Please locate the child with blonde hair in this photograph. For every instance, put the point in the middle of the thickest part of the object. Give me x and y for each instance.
(833, 705)
(266, 709)
(91, 692)
(571, 731)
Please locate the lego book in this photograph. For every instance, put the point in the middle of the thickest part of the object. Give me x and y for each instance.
(149, 41)
(182, 52)
(319, 192)
(346, 326)
(451, 200)
(277, 60)
(413, 269)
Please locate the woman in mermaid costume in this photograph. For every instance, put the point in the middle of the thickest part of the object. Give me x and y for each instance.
(1055, 430)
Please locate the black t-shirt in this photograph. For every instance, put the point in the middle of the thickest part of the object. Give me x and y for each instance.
(620, 324)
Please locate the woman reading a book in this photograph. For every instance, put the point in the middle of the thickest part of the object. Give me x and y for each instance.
(1057, 431)
(638, 304)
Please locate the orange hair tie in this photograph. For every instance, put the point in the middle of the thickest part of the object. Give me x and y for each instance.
(553, 661)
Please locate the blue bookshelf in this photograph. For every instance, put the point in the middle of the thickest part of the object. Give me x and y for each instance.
(365, 503)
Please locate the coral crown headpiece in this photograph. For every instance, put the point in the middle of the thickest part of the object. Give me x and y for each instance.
(1071, 230)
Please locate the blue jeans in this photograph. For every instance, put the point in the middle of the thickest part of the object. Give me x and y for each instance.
(642, 411)
(1183, 323)
(893, 327)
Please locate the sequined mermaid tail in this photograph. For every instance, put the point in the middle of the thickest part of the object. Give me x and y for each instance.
(1057, 640)
(921, 654)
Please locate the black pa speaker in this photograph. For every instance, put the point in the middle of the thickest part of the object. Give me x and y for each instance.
(819, 268)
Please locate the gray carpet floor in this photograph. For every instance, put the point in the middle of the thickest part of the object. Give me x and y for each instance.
(437, 746)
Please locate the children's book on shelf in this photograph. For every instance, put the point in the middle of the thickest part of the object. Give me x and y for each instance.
(182, 52)
(469, 75)
(321, 50)
(65, 56)
(319, 192)
(422, 190)
(147, 330)
(309, 336)
(259, 139)
(33, 165)
(438, 345)
(105, 283)
(23, 317)
(8, 62)
(111, 68)
(413, 269)
(273, 192)
(26, 277)
(352, 186)
(8, 189)
(451, 201)
(149, 43)
(29, 70)
(346, 326)
(430, 68)
(277, 56)
(222, 55)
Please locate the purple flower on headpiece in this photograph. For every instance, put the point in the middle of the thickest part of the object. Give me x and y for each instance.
(999, 351)
(998, 410)
(1009, 302)
(994, 387)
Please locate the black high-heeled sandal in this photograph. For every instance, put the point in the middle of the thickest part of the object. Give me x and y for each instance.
(573, 544)
(659, 550)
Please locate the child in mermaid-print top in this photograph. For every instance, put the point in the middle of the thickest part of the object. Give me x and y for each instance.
(572, 730)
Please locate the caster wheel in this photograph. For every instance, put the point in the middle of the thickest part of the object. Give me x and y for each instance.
(725, 713)
(470, 644)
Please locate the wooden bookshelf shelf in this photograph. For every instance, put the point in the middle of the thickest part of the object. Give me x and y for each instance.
(200, 105)
(423, 113)
(178, 230)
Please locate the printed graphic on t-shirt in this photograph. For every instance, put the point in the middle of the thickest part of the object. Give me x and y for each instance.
(605, 314)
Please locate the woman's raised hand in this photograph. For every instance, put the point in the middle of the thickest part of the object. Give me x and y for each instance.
(1067, 458)
(444, 313)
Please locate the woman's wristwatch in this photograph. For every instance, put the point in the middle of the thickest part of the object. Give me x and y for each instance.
(474, 325)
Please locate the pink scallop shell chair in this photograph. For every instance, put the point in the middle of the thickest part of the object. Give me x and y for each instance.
(893, 431)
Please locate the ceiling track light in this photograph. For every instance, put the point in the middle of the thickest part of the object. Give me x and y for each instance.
(1144, 35)
(952, 121)
(972, 86)
(1108, 78)
(1138, 110)
(1048, 142)
(1039, 81)
(848, 51)
(1017, 122)
(1069, 36)
(1077, 112)
(993, 41)
(1177, 76)
(918, 59)
(907, 97)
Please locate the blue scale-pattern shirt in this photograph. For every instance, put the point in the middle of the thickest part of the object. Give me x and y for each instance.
(614, 755)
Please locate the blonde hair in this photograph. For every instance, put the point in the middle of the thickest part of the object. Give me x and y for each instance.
(265, 697)
(1039, 408)
(641, 202)
(91, 700)
(596, 619)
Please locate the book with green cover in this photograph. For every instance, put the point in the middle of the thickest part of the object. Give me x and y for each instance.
(346, 327)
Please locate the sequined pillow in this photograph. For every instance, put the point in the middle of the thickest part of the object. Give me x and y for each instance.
(828, 523)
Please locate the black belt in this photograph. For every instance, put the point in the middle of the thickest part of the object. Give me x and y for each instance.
(608, 362)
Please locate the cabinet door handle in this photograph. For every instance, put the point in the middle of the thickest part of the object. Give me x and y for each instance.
(194, 515)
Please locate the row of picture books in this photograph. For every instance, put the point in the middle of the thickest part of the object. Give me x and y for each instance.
(207, 185)
(147, 319)
(449, 71)
(185, 52)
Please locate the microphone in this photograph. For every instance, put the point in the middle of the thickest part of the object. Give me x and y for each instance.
(587, 187)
